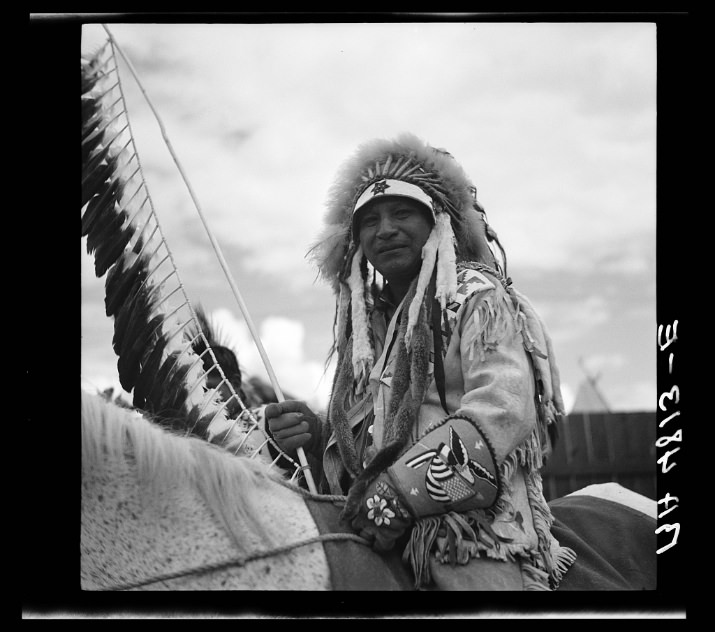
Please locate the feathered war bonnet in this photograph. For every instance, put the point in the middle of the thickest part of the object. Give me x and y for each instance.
(404, 166)
(460, 233)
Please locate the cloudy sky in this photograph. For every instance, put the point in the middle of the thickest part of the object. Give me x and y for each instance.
(555, 124)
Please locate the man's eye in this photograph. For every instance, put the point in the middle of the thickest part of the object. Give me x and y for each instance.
(369, 220)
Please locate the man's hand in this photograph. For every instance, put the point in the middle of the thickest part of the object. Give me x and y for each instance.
(293, 425)
(382, 517)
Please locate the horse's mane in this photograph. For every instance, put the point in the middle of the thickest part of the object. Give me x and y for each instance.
(232, 486)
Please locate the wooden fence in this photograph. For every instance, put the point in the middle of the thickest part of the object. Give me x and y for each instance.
(603, 447)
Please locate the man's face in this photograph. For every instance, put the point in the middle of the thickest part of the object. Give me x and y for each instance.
(213, 379)
(392, 233)
(233, 408)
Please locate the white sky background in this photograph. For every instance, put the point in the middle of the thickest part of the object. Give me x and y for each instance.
(555, 124)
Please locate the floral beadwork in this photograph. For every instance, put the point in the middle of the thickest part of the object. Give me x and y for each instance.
(378, 511)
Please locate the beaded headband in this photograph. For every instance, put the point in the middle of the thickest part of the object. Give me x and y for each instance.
(395, 188)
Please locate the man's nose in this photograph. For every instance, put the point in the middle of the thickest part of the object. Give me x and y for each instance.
(386, 227)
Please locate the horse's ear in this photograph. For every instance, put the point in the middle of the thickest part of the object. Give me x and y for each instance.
(204, 326)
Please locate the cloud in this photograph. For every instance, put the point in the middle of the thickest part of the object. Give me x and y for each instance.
(555, 123)
(568, 396)
(570, 320)
(283, 343)
(499, 97)
(639, 395)
(595, 364)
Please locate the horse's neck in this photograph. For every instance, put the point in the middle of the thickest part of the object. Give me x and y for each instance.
(134, 529)
(130, 534)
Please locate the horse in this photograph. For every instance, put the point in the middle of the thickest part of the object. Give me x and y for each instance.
(156, 503)
(166, 511)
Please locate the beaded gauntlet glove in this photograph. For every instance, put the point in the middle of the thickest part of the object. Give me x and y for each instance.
(382, 517)
(451, 468)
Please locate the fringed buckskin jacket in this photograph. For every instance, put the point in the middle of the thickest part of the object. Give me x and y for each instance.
(498, 371)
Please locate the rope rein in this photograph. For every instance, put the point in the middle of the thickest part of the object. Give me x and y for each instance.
(240, 561)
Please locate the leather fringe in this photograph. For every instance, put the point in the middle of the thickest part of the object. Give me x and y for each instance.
(409, 385)
(417, 552)
(454, 538)
(337, 415)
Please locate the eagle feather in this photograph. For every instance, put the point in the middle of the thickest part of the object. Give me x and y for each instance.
(153, 344)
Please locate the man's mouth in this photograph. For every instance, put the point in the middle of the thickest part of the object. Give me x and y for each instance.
(389, 248)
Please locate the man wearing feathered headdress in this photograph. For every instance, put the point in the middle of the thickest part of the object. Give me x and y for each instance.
(446, 388)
